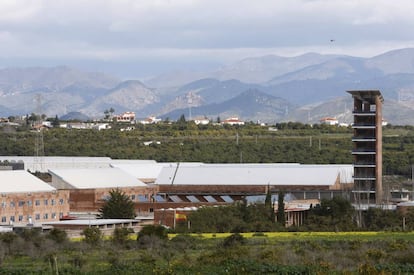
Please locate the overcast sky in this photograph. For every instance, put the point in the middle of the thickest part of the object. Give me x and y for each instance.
(141, 37)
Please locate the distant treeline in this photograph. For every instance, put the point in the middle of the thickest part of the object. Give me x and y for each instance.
(185, 141)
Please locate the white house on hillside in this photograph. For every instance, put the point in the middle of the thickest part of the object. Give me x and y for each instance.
(125, 117)
(233, 121)
(329, 121)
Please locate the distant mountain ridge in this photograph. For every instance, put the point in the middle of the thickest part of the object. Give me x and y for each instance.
(270, 89)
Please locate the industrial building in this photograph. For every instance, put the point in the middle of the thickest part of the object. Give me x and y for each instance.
(90, 187)
(25, 199)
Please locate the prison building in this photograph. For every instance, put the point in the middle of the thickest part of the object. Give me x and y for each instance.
(89, 188)
(25, 199)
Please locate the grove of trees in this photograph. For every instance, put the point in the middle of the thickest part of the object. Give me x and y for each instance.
(185, 141)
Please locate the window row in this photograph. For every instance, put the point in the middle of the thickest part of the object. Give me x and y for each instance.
(139, 197)
(12, 204)
(28, 218)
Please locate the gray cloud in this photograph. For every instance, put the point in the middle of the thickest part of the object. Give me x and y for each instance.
(197, 30)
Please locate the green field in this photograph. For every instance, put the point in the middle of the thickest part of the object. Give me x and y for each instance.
(220, 253)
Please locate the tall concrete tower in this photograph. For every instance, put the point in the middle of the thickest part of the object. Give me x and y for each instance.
(367, 146)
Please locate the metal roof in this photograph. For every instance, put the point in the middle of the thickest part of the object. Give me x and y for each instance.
(366, 94)
(43, 164)
(21, 181)
(267, 174)
(96, 178)
(140, 170)
(91, 222)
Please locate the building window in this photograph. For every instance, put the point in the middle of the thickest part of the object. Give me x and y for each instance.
(132, 197)
(4, 204)
(12, 204)
(151, 210)
(29, 203)
(3, 219)
(20, 218)
(61, 201)
(12, 218)
(52, 202)
(45, 216)
(60, 215)
(46, 202)
(21, 203)
(37, 202)
(37, 216)
(53, 215)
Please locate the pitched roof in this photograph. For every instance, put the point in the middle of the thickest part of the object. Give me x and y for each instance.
(256, 174)
(21, 181)
(96, 178)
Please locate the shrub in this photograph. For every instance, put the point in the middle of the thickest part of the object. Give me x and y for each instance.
(153, 230)
(93, 235)
(120, 235)
(57, 235)
(234, 239)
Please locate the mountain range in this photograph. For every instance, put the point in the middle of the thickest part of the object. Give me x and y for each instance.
(269, 89)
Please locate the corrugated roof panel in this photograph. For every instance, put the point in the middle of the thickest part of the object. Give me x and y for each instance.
(159, 198)
(210, 198)
(175, 198)
(142, 198)
(227, 199)
(192, 198)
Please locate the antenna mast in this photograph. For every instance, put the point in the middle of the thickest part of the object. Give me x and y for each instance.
(39, 151)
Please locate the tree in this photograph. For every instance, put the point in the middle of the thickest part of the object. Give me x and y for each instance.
(281, 209)
(182, 119)
(269, 205)
(117, 206)
(56, 122)
(57, 235)
(336, 214)
(93, 235)
(153, 230)
(106, 113)
(111, 111)
(121, 235)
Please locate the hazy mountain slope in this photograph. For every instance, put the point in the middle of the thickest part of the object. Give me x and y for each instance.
(130, 95)
(394, 112)
(312, 83)
(55, 78)
(249, 70)
(339, 107)
(251, 105)
(213, 90)
(264, 68)
(62, 89)
(393, 62)
(204, 92)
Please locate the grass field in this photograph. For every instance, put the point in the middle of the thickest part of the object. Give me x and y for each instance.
(334, 236)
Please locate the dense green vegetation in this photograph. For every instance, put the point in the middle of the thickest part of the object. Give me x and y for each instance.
(185, 141)
(287, 253)
(34, 253)
(334, 215)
